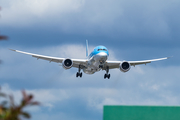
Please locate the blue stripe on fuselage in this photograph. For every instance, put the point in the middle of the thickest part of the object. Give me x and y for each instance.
(97, 50)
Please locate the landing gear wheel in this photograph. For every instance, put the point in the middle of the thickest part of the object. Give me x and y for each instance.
(80, 74)
(77, 74)
(106, 76)
(100, 66)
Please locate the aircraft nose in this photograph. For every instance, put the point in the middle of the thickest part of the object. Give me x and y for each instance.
(103, 55)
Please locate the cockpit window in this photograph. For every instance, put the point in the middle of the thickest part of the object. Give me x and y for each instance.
(102, 50)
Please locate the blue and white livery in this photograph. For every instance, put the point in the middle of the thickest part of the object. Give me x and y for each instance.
(95, 61)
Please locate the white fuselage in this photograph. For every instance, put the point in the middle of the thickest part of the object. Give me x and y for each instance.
(95, 62)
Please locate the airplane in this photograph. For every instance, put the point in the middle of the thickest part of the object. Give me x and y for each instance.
(95, 61)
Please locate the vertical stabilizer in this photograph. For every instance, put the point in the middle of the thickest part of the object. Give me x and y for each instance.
(87, 48)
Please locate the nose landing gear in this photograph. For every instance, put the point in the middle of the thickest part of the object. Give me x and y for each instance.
(100, 66)
(107, 75)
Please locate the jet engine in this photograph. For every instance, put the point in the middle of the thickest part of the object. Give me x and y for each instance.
(124, 66)
(67, 63)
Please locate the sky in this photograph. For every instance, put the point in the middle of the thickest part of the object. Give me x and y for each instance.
(131, 30)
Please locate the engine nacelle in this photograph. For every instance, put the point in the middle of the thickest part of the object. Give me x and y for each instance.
(67, 63)
(125, 66)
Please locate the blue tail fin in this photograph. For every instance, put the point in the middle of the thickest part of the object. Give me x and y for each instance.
(87, 48)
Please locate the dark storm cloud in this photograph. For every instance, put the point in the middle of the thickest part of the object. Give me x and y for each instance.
(136, 23)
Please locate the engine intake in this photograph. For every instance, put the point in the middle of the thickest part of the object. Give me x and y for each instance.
(125, 66)
(67, 63)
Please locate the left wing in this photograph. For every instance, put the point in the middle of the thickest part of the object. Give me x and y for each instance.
(115, 64)
(76, 62)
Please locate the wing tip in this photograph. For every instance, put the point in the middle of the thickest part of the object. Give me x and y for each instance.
(169, 57)
(12, 50)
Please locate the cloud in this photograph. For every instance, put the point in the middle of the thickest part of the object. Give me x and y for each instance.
(133, 30)
(83, 16)
(25, 12)
(149, 26)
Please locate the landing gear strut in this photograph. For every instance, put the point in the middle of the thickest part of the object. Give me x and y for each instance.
(107, 75)
(79, 73)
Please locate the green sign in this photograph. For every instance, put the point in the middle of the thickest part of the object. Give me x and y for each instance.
(141, 113)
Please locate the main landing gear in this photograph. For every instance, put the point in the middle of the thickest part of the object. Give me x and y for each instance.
(79, 73)
(107, 75)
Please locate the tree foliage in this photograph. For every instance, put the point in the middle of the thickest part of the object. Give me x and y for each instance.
(2, 37)
(10, 111)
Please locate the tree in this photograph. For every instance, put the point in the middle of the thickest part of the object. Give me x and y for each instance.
(10, 111)
(3, 37)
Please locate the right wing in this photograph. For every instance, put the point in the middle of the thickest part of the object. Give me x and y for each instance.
(76, 62)
(115, 64)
